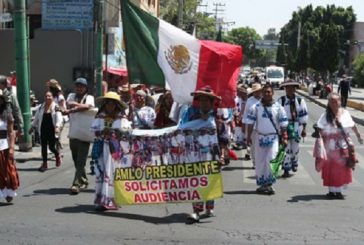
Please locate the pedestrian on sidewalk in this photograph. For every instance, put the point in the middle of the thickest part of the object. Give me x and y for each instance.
(344, 90)
(9, 179)
(296, 110)
(269, 119)
(48, 121)
(332, 154)
(109, 124)
(78, 102)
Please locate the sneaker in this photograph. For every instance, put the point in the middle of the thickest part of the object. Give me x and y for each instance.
(43, 167)
(285, 174)
(84, 186)
(9, 199)
(270, 190)
(193, 218)
(262, 189)
(330, 195)
(210, 213)
(339, 195)
(75, 190)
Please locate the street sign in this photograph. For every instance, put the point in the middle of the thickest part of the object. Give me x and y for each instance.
(5, 17)
(67, 14)
(266, 44)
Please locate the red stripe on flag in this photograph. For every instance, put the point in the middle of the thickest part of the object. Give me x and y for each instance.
(219, 68)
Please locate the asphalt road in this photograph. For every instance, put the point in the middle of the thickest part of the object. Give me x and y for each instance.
(45, 213)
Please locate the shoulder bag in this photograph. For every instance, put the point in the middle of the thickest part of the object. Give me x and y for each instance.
(351, 159)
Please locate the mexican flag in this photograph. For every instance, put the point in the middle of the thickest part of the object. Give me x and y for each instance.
(158, 53)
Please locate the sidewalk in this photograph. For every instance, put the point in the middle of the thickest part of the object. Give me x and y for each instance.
(355, 103)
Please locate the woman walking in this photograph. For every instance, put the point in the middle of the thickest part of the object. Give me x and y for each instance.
(9, 180)
(333, 153)
(109, 124)
(48, 120)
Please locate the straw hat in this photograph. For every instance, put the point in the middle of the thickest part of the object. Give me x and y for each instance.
(290, 82)
(111, 96)
(205, 91)
(256, 87)
(242, 88)
(53, 83)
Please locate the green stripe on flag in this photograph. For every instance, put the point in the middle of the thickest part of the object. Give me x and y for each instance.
(141, 41)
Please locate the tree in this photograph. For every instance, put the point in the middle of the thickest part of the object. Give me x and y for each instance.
(324, 32)
(358, 65)
(205, 25)
(245, 37)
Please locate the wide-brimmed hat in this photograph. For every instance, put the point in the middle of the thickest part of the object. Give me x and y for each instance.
(111, 96)
(242, 88)
(290, 82)
(53, 83)
(255, 87)
(205, 91)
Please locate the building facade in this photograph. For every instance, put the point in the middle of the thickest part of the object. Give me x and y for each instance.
(63, 53)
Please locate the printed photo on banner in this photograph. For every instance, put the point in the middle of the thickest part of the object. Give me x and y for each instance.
(167, 165)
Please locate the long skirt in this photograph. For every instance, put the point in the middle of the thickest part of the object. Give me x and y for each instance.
(9, 179)
(334, 171)
(104, 189)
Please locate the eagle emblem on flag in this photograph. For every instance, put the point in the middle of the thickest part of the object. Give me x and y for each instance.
(179, 59)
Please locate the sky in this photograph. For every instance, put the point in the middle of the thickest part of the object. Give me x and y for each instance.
(264, 14)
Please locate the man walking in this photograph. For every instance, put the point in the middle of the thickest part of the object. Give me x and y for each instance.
(297, 115)
(344, 90)
(269, 120)
(78, 102)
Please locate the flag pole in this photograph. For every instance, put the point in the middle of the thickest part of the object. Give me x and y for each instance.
(131, 108)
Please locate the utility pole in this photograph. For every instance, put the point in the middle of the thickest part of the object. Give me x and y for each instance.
(99, 28)
(218, 10)
(22, 71)
(180, 14)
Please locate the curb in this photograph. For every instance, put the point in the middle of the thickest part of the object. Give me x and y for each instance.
(352, 104)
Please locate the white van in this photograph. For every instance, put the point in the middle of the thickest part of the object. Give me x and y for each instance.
(274, 75)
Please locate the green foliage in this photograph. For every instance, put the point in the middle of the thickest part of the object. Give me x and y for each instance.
(245, 37)
(324, 32)
(359, 70)
(205, 25)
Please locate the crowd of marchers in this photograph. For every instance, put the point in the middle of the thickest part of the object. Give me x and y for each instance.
(260, 125)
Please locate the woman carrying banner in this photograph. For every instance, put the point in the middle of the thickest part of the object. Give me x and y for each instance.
(109, 124)
(334, 126)
(9, 180)
(206, 99)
